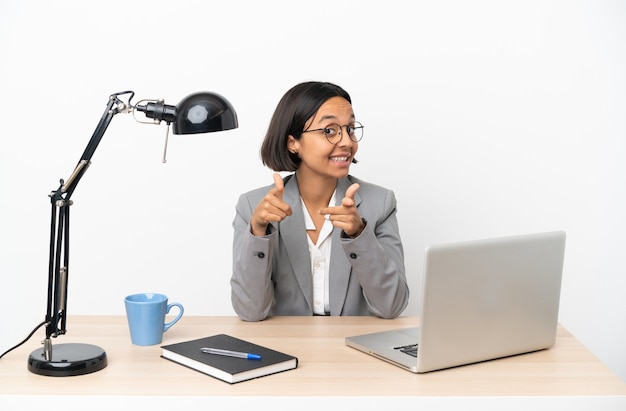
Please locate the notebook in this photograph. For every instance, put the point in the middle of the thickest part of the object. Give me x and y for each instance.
(482, 300)
(252, 361)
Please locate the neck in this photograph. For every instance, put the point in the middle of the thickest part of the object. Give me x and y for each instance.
(316, 189)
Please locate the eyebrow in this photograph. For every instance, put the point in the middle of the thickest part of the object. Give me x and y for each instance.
(332, 117)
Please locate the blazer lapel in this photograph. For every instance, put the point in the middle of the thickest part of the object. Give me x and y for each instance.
(293, 237)
(340, 268)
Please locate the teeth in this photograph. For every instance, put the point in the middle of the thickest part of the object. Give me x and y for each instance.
(339, 158)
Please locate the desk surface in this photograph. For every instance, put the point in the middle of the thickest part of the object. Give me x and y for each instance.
(327, 366)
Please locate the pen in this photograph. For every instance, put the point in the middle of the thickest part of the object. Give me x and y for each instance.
(229, 353)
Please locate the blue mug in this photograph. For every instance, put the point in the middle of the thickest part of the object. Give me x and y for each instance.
(146, 317)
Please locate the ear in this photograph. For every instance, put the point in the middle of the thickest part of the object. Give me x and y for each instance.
(293, 145)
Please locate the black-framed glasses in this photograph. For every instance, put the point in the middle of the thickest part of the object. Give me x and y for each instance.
(333, 132)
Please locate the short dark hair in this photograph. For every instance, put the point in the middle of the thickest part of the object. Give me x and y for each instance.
(294, 109)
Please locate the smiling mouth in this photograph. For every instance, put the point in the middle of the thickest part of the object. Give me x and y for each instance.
(339, 159)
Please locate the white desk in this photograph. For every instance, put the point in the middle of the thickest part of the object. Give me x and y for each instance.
(566, 375)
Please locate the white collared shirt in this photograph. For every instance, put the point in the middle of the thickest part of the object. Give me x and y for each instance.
(320, 260)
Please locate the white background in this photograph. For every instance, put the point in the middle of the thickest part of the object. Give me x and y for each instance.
(486, 118)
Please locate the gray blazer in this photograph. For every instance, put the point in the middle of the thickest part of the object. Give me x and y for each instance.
(272, 274)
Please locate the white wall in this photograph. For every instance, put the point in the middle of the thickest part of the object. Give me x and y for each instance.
(486, 118)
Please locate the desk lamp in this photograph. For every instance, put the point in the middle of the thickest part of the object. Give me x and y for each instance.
(196, 113)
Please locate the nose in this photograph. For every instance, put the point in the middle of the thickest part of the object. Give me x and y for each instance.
(344, 141)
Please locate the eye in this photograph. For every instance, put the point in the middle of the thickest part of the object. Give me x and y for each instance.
(330, 131)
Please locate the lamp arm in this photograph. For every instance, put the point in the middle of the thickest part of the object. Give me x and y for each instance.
(114, 106)
(56, 317)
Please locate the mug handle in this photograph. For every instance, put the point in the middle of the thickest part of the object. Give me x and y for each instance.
(167, 326)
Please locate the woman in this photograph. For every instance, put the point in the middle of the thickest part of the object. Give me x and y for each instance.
(319, 241)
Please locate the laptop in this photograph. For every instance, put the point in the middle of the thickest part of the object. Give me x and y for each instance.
(482, 300)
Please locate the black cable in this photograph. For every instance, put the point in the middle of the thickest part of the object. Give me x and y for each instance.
(25, 339)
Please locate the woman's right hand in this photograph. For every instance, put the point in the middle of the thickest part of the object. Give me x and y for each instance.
(271, 208)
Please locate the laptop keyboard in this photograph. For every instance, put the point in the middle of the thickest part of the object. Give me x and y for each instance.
(410, 349)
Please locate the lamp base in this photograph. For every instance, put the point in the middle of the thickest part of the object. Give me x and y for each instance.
(68, 360)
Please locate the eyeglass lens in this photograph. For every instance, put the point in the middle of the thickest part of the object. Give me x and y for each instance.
(333, 132)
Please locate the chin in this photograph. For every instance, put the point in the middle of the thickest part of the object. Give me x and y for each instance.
(343, 173)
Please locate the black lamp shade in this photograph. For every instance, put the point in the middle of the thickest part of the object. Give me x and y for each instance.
(203, 113)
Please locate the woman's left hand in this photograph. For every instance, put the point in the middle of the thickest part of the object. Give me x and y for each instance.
(346, 216)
